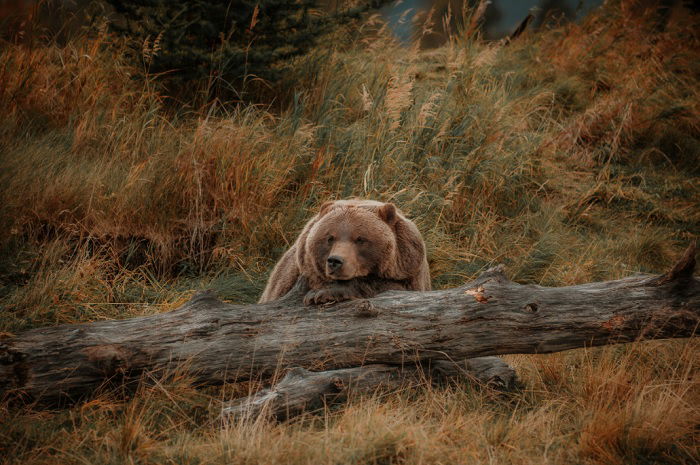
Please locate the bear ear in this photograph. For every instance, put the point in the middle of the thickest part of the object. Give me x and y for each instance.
(325, 207)
(387, 212)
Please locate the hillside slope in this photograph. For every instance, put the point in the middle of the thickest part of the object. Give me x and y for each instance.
(570, 155)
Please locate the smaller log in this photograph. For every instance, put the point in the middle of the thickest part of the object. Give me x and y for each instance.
(492, 372)
(302, 390)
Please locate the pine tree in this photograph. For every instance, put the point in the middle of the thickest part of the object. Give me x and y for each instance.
(231, 39)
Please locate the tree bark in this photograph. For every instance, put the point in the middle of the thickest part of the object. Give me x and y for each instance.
(213, 341)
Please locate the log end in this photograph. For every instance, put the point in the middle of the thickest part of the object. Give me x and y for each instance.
(13, 371)
(683, 269)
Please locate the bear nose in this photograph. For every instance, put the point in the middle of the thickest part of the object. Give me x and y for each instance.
(334, 262)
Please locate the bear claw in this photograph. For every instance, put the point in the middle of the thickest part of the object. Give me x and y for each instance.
(328, 295)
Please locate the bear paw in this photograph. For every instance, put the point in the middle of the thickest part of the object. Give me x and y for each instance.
(330, 294)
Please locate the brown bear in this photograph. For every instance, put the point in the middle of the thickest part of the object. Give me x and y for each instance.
(352, 249)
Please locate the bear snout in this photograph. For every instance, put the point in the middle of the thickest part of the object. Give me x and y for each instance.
(341, 262)
(334, 263)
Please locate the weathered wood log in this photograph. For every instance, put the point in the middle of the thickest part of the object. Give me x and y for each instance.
(213, 341)
(303, 390)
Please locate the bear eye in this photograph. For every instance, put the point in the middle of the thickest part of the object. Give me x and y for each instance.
(331, 239)
(360, 240)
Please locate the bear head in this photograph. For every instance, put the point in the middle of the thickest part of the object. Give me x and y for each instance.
(352, 239)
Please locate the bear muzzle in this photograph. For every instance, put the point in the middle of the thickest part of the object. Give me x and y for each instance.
(337, 268)
(334, 263)
(341, 266)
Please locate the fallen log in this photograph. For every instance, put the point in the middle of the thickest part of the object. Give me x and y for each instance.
(212, 341)
(303, 390)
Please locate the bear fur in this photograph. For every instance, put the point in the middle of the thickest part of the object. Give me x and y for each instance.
(352, 249)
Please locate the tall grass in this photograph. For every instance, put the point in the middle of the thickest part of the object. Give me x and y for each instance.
(571, 155)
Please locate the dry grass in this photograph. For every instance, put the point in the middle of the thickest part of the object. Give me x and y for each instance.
(615, 405)
(571, 155)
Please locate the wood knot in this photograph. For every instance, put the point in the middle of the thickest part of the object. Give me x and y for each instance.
(111, 359)
(9, 356)
(366, 309)
(531, 307)
(337, 384)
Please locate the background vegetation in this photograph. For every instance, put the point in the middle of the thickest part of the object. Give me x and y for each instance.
(227, 46)
(570, 155)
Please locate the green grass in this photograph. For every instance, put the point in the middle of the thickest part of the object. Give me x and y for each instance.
(570, 155)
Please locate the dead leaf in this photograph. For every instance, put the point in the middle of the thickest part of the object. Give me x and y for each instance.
(478, 290)
(478, 294)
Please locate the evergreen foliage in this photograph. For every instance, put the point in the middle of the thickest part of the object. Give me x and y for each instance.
(227, 39)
